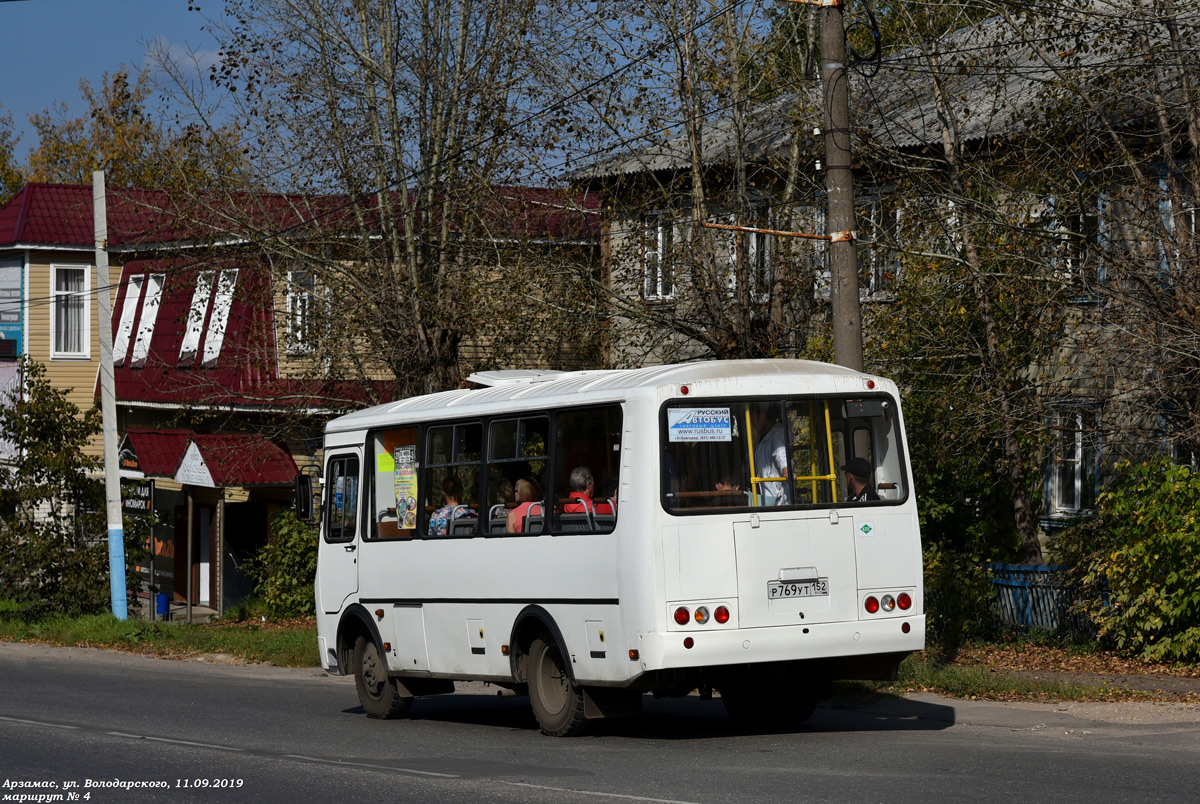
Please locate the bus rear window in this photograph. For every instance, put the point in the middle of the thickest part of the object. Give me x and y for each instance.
(738, 454)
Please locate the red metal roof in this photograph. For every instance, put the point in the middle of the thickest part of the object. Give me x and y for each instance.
(61, 215)
(158, 451)
(245, 460)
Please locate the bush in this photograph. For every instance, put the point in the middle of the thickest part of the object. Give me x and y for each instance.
(958, 600)
(1137, 562)
(53, 524)
(286, 568)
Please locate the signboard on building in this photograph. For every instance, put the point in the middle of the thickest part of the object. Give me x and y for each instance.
(137, 497)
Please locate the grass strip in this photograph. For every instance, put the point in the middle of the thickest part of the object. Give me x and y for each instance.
(282, 646)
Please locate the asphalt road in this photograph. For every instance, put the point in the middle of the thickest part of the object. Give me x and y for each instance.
(221, 734)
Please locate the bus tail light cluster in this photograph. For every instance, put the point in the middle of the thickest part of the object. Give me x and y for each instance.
(701, 615)
(887, 603)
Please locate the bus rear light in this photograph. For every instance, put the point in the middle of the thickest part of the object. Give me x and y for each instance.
(721, 615)
(684, 390)
(888, 603)
(504, 650)
(702, 615)
(633, 655)
(904, 601)
(688, 643)
(872, 605)
(682, 615)
(905, 627)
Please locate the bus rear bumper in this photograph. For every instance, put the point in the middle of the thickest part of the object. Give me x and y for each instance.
(668, 651)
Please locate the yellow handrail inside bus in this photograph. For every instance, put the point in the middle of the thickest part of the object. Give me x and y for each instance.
(814, 478)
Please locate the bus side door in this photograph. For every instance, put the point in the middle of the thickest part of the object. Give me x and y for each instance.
(337, 567)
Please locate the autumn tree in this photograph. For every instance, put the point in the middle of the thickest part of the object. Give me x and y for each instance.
(11, 177)
(399, 133)
(135, 145)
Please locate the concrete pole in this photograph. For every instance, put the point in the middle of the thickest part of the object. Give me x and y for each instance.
(108, 405)
(839, 186)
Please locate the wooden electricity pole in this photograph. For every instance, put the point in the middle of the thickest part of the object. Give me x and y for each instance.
(839, 188)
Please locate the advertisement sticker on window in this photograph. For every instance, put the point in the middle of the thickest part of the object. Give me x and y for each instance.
(699, 424)
(406, 486)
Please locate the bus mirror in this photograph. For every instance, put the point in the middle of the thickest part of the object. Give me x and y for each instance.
(304, 498)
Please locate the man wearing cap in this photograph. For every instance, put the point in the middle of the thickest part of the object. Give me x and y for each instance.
(858, 478)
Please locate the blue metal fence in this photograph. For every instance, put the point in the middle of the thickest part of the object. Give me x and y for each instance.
(1033, 596)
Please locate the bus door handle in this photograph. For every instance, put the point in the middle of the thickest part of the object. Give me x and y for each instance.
(350, 548)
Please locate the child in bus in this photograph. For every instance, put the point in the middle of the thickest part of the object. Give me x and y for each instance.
(529, 493)
(452, 492)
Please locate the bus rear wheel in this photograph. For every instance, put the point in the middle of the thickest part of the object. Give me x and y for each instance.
(557, 702)
(377, 691)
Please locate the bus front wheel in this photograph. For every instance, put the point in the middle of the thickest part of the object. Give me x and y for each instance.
(557, 702)
(377, 692)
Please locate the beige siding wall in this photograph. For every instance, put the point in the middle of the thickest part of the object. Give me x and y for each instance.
(73, 373)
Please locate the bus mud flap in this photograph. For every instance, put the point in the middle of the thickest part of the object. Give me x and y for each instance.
(600, 702)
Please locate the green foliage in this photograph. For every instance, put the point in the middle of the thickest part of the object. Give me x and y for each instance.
(1138, 562)
(286, 568)
(53, 527)
(958, 599)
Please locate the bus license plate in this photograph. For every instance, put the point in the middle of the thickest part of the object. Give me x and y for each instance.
(817, 587)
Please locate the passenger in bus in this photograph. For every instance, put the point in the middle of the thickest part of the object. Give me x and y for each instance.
(452, 492)
(582, 485)
(858, 480)
(770, 453)
(528, 493)
(726, 484)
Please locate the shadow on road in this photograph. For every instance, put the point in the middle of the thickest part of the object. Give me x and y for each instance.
(688, 718)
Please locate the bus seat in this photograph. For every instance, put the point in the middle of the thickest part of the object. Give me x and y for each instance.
(606, 522)
(536, 518)
(498, 518)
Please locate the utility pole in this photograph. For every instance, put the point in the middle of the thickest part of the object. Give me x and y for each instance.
(839, 187)
(108, 404)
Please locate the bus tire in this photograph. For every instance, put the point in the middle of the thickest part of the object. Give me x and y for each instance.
(557, 702)
(377, 691)
(762, 709)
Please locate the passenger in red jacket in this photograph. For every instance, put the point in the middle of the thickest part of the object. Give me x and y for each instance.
(582, 485)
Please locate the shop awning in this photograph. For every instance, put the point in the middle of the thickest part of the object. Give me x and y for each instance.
(152, 453)
(219, 460)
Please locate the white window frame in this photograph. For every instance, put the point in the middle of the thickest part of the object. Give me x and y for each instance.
(129, 310)
(301, 304)
(85, 324)
(201, 295)
(1079, 422)
(219, 320)
(880, 257)
(658, 280)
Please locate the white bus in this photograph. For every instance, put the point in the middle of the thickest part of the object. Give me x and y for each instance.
(744, 527)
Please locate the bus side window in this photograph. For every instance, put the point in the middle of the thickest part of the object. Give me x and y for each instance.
(342, 489)
(587, 455)
(392, 491)
(452, 479)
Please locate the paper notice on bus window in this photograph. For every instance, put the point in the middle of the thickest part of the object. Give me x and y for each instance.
(406, 486)
(699, 424)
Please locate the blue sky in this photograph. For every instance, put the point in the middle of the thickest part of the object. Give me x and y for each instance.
(49, 45)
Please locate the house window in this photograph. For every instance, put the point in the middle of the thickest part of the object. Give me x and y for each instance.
(70, 334)
(658, 276)
(129, 309)
(301, 300)
(195, 319)
(1073, 473)
(145, 330)
(1081, 225)
(878, 258)
(222, 304)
